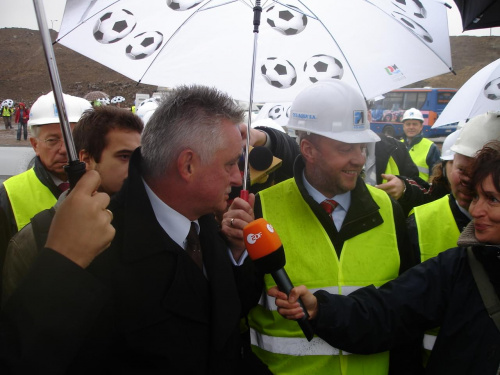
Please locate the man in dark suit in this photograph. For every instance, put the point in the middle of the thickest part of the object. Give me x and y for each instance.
(149, 303)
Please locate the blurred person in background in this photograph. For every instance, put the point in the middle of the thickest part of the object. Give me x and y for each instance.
(22, 117)
(7, 116)
(424, 152)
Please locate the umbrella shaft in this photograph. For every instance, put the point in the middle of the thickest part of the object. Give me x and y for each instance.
(54, 79)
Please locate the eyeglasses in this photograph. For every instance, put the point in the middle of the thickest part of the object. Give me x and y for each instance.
(53, 142)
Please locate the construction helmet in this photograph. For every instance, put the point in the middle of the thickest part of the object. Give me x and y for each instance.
(333, 109)
(446, 152)
(147, 108)
(413, 114)
(44, 110)
(477, 132)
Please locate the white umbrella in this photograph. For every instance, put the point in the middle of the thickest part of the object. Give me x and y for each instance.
(117, 99)
(7, 102)
(480, 94)
(376, 45)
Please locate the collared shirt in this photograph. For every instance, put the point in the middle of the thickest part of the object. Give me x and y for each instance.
(343, 200)
(176, 225)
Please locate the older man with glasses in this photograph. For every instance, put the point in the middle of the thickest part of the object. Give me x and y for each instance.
(24, 195)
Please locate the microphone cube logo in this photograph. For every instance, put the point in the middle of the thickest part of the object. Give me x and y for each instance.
(252, 238)
(270, 228)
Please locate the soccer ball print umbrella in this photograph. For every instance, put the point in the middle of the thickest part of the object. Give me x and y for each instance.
(480, 94)
(376, 45)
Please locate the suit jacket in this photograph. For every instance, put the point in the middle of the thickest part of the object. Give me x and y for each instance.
(147, 307)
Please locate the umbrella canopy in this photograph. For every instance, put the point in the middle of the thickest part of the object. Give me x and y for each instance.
(375, 45)
(8, 102)
(95, 95)
(480, 94)
(117, 99)
(479, 14)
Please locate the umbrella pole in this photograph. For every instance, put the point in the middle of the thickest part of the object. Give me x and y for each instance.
(75, 168)
(257, 10)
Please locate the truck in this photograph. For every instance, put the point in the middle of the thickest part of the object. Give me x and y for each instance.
(385, 115)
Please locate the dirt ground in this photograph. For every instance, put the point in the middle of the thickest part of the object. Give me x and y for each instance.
(24, 70)
(8, 137)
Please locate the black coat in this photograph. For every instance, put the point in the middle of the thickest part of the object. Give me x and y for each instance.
(142, 306)
(439, 292)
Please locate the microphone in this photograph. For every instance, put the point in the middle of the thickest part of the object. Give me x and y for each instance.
(265, 249)
(260, 158)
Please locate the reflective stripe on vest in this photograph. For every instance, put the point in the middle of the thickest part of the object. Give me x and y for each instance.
(436, 227)
(27, 196)
(419, 154)
(368, 258)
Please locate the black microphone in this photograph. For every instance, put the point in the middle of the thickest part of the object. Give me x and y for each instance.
(265, 249)
(260, 158)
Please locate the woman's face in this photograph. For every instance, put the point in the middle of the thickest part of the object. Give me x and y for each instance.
(485, 209)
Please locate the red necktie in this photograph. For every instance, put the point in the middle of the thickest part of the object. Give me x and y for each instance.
(63, 186)
(329, 205)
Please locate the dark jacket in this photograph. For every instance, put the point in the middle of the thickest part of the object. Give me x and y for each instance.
(389, 147)
(439, 292)
(143, 306)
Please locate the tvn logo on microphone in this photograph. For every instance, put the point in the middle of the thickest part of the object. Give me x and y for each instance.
(253, 237)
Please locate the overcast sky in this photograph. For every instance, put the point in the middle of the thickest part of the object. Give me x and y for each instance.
(22, 14)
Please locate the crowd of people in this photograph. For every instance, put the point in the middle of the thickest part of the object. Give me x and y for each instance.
(141, 267)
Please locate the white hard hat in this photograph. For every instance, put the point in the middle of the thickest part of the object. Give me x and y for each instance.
(413, 114)
(268, 123)
(146, 109)
(44, 110)
(333, 109)
(477, 132)
(446, 152)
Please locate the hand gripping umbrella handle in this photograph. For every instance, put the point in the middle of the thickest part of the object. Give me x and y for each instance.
(75, 168)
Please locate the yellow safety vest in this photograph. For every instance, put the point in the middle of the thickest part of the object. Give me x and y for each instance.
(436, 227)
(6, 112)
(437, 231)
(368, 258)
(392, 168)
(27, 196)
(419, 154)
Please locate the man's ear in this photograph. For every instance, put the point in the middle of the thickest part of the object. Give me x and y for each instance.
(307, 149)
(186, 164)
(89, 161)
(34, 144)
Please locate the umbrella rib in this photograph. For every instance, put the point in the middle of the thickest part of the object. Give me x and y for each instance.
(415, 36)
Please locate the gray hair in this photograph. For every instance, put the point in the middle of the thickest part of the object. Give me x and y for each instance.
(187, 117)
(35, 131)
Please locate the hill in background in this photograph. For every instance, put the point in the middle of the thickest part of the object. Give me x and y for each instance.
(25, 76)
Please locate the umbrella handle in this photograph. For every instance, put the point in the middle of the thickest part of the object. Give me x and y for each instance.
(74, 169)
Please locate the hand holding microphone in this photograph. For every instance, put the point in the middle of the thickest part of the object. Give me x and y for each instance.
(265, 249)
